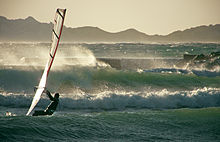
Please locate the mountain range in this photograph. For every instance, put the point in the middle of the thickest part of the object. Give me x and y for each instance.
(30, 29)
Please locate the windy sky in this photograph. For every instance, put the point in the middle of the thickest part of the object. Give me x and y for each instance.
(148, 16)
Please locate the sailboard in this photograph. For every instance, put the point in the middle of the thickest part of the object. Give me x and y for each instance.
(56, 34)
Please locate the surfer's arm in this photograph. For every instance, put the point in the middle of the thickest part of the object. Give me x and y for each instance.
(49, 95)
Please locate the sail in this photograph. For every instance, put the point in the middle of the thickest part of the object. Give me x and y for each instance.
(56, 34)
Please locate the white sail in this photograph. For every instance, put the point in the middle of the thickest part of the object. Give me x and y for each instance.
(57, 29)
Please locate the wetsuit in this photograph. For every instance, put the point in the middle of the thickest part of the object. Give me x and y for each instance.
(51, 107)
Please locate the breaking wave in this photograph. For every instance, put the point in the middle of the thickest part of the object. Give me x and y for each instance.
(200, 98)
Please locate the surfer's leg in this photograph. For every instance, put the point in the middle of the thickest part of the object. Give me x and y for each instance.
(39, 112)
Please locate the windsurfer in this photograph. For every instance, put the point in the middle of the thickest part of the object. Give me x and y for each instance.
(52, 106)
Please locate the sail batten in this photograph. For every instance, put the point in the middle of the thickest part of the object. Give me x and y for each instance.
(58, 26)
(55, 33)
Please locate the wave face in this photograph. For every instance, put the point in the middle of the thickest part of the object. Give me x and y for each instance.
(91, 80)
(87, 83)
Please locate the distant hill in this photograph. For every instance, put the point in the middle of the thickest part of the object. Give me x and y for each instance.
(30, 29)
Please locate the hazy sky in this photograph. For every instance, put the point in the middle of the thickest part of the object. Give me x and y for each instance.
(149, 16)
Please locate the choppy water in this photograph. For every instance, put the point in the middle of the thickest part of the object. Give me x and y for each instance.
(131, 125)
(100, 103)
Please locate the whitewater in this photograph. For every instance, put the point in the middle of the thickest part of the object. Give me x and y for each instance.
(111, 92)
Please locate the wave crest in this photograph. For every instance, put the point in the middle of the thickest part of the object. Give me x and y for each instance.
(122, 100)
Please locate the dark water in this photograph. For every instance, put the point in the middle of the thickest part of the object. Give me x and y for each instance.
(134, 125)
(101, 103)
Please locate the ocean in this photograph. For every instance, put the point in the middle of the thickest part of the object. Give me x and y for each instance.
(112, 92)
